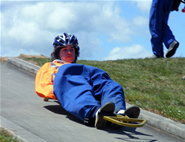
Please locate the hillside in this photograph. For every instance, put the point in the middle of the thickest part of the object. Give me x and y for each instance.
(156, 85)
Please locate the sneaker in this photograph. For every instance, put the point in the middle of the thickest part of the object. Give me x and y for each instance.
(154, 57)
(107, 108)
(131, 112)
(172, 49)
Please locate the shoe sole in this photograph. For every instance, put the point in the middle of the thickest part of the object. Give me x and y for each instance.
(173, 50)
(107, 108)
(132, 112)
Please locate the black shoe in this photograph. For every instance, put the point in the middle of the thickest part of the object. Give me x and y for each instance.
(131, 112)
(154, 57)
(172, 49)
(105, 109)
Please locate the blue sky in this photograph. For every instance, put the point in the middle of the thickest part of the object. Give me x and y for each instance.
(106, 30)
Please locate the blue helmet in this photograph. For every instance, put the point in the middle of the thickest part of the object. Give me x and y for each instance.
(65, 39)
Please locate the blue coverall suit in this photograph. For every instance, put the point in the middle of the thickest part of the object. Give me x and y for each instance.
(158, 24)
(83, 89)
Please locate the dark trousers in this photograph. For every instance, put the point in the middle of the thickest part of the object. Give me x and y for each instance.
(158, 24)
(81, 89)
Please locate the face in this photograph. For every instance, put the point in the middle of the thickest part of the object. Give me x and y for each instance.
(67, 53)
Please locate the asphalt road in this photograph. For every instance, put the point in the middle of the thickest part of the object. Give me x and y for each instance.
(34, 120)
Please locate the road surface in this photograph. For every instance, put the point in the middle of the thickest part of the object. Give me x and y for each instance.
(29, 117)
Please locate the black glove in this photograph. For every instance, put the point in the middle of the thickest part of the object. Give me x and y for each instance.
(176, 4)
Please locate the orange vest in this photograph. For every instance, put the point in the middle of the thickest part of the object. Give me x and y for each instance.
(44, 79)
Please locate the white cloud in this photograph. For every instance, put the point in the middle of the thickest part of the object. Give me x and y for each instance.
(134, 51)
(143, 5)
(30, 27)
(140, 21)
(33, 25)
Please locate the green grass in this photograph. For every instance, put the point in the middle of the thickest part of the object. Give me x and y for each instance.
(155, 85)
(6, 137)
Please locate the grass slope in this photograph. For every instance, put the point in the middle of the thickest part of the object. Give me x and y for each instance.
(156, 85)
